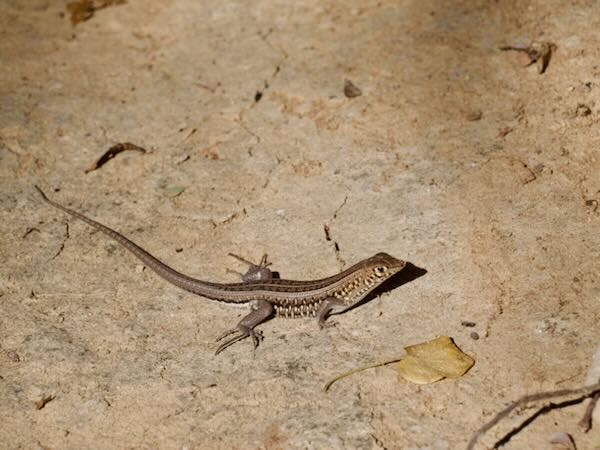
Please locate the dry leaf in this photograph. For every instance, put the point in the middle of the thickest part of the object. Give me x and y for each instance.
(43, 401)
(351, 90)
(114, 151)
(539, 53)
(433, 361)
(427, 363)
(473, 116)
(82, 10)
(174, 191)
(544, 54)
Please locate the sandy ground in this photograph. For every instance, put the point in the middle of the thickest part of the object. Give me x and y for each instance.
(456, 157)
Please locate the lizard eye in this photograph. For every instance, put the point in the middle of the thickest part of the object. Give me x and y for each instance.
(380, 271)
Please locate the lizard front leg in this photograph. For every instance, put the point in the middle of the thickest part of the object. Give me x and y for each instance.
(261, 311)
(256, 272)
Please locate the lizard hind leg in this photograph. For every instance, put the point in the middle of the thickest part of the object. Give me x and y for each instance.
(329, 306)
(261, 311)
(256, 272)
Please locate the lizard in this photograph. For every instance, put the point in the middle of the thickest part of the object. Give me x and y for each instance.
(265, 294)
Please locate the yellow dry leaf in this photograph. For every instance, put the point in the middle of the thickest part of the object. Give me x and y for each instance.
(433, 361)
(424, 363)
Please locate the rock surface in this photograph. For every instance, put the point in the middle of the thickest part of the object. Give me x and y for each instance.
(455, 157)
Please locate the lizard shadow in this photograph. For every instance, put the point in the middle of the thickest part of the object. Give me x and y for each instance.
(406, 275)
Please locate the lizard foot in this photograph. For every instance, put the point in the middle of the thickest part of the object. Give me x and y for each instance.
(242, 333)
(327, 324)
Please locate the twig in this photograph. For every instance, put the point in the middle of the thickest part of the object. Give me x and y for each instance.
(586, 420)
(537, 52)
(523, 402)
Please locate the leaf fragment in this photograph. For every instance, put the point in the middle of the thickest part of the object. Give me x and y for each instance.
(351, 90)
(562, 441)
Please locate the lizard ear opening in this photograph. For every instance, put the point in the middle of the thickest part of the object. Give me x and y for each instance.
(380, 271)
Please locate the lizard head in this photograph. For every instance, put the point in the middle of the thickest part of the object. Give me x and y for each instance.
(373, 272)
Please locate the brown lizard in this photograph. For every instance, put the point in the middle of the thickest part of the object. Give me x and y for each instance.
(268, 296)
